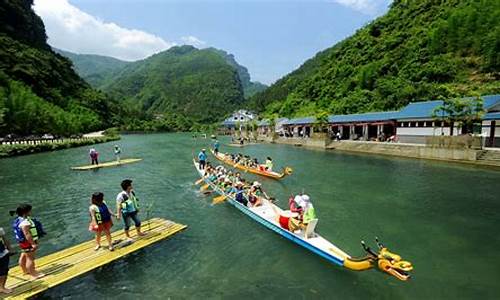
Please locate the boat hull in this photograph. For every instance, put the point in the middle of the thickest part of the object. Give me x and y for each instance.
(266, 216)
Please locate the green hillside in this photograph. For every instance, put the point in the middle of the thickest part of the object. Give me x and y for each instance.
(95, 69)
(39, 91)
(419, 50)
(183, 84)
(250, 88)
(101, 70)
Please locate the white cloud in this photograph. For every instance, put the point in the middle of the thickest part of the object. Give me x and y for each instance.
(192, 40)
(71, 29)
(369, 7)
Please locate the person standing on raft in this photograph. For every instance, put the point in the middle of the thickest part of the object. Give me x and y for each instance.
(27, 235)
(127, 207)
(5, 253)
(94, 155)
(202, 159)
(117, 151)
(100, 220)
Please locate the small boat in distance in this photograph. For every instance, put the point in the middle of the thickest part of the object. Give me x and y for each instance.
(271, 174)
(107, 164)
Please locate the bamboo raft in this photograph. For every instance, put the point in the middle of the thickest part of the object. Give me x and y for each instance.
(107, 164)
(72, 262)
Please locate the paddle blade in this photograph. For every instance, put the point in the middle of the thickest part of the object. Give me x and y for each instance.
(219, 199)
(204, 187)
(198, 181)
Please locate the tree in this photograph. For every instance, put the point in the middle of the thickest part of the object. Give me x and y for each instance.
(321, 122)
(464, 111)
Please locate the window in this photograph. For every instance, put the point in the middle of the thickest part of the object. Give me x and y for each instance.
(428, 124)
(421, 124)
(413, 124)
(438, 123)
(400, 124)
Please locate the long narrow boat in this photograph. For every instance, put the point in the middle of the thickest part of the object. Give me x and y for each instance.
(268, 213)
(275, 175)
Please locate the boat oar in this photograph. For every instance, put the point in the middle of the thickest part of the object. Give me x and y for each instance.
(198, 181)
(219, 199)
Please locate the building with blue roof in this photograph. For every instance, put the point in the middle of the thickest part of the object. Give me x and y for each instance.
(299, 127)
(417, 121)
(412, 124)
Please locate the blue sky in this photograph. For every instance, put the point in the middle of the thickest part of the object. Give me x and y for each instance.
(270, 38)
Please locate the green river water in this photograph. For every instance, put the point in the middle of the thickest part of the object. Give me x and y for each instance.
(441, 217)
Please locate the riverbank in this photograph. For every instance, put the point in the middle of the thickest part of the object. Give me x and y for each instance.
(17, 149)
(489, 158)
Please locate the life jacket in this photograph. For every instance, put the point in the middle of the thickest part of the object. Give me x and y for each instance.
(239, 195)
(129, 204)
(18, 232)
(102, 214)
(309, 214)
(269, 165)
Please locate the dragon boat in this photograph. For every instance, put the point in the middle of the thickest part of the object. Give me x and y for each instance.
(268, 216)
(275, 175)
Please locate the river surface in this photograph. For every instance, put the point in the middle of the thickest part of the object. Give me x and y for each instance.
(442, 217)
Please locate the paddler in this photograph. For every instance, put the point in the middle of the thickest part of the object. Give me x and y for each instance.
(294, 204)
(117, 151)
(255, 194)
(94, 156)
(202, 159)
(269, 164)
(239, 193)
(216, 147)
(127, 207)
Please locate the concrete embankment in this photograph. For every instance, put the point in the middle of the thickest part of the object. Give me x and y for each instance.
(469, 156)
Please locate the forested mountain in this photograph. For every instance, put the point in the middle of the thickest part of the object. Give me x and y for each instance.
(39, 91)
(95, 69)
(250, 88)
(182, 85)
(419, 50)
(100, 70)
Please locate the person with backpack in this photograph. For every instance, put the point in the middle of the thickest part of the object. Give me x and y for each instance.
(27, 232)
(127, 207)
(100, 220)
(5, 253)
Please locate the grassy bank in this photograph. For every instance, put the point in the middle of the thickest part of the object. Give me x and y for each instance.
(23, 149)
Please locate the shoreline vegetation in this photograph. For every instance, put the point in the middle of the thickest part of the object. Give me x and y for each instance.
(31, 147)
